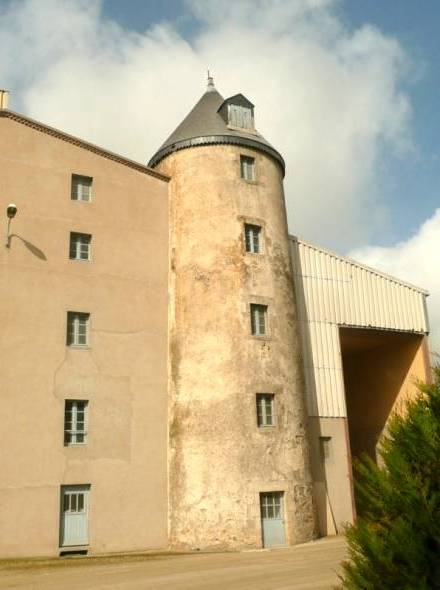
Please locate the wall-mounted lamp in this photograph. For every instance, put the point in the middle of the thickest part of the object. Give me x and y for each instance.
(11, 212)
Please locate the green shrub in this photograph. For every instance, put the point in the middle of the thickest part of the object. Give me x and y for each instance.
(395, 543)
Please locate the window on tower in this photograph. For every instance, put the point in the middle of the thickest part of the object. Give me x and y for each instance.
(252, 235)
(247, 168)
(265, 409)
(258, 319)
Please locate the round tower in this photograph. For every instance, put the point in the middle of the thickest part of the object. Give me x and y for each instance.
(238, 466)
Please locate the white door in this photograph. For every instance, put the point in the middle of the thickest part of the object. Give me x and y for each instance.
(74, 522)
(272, 519)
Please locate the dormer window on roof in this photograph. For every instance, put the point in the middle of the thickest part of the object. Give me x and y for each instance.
(238, 112)
(214, 120)
(240, 116)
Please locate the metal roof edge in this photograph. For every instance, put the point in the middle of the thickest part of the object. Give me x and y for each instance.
(217, 139)
(360, 265)
(6, 113)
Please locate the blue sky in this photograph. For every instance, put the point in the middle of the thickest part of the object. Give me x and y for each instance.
(414, 185)
(409, 185)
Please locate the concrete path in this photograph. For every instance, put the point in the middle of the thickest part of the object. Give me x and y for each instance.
(312, 566)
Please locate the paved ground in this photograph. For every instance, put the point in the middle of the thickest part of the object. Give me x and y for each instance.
(312, 566)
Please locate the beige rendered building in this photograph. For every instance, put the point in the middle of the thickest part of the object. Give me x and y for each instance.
(178, 372)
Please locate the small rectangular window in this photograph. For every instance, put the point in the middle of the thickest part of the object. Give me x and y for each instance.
(79, 246)
(265, 409)
(247, 167)
(75, 422)
(325, 447)
(81, 188)
(77, 328)
(253, 238)
(240, 116)
(271, 505)
(258, 319)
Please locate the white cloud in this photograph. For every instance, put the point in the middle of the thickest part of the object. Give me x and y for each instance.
(326, 97)
(417, 261)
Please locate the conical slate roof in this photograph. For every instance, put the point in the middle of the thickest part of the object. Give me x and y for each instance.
(205, 126)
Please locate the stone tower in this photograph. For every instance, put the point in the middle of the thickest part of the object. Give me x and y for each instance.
(237, 434)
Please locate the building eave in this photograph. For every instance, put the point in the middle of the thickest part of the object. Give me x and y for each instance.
(217, 140)
(360, 265)
(42, 128)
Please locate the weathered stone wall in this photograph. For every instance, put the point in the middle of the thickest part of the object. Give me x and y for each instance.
(220, 460)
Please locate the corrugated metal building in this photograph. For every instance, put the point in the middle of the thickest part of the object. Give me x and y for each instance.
(364, 346)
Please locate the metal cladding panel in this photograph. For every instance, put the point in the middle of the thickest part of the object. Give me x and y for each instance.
(334, 291)
(325, 371)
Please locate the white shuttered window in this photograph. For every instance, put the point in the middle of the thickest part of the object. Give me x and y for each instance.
(77, 328)
(81, 188)
(253, 238)
(265, 409)
(75, 422)
(258, 319)
(240, 116)
(247, 168)
(79, 246)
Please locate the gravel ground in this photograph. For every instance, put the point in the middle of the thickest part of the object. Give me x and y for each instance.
(312, 566)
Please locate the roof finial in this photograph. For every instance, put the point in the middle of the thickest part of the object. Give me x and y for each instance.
(211, 87)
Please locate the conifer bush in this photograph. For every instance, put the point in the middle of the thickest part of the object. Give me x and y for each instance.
(395, 543)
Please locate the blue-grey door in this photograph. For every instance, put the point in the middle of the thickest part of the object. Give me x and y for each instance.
(272, 519)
